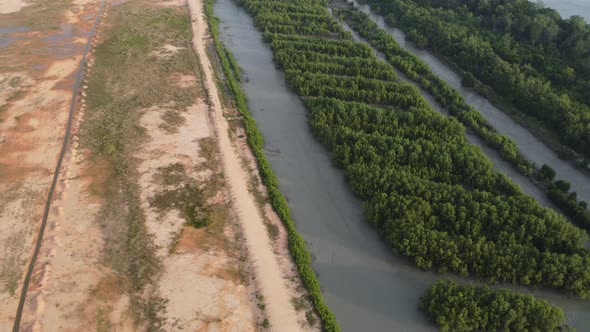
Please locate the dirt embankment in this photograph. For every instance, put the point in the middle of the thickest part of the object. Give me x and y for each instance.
(271, 276)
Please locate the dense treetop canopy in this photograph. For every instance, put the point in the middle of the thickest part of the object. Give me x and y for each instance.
(526, 53)
(469, 308)
(433, 196)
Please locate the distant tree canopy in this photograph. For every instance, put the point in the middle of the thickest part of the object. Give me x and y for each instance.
(528, 54)
(433, 196)
(469, 308)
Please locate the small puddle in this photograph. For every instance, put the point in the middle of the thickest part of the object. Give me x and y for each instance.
(6, 37)
(13, 30)
(65, 33)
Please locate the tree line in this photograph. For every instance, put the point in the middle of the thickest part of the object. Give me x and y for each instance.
(455, 307)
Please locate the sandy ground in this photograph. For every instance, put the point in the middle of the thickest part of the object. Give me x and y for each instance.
(282, 315)
(68, 265)
(32, 120)
(200, 295)
(10, 6)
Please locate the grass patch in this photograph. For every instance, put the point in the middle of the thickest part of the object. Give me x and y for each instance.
(15, 82)
(11, 264)
(17, 95)
(192, 198)
(188, 199)
(310, 318)
(171, 175)
(172, 120)
(11, 270)
(103, 324)
(3, 108)
(299, 303)
(208, 150)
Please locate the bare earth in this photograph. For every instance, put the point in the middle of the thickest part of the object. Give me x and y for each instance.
(211, 280)
(35, 80)
(282, 315)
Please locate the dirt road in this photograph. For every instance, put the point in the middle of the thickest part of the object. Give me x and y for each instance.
(281, 314)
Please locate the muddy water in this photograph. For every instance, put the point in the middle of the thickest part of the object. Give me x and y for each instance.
(364, 283)
(528, 144)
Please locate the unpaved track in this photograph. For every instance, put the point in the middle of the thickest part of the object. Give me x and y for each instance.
(281, 314)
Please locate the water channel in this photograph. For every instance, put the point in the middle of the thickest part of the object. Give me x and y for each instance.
(364, 283)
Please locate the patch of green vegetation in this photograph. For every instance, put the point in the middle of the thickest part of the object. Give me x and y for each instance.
(541, 75)
(172, 120)
(455, 307)
(432, 196)
(261, 200)
(10, 272)
(451, 99)
(265, 323)
(272, 230)
(18, 94)
(299, 303)
(15, 81)
(103, 324)
(234, 65)
(11, 263)
(3, 108)
(171, 175)
(310, 318)
(208, 150)
(189, 199)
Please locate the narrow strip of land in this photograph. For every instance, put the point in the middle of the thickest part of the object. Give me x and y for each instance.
(281, 313)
